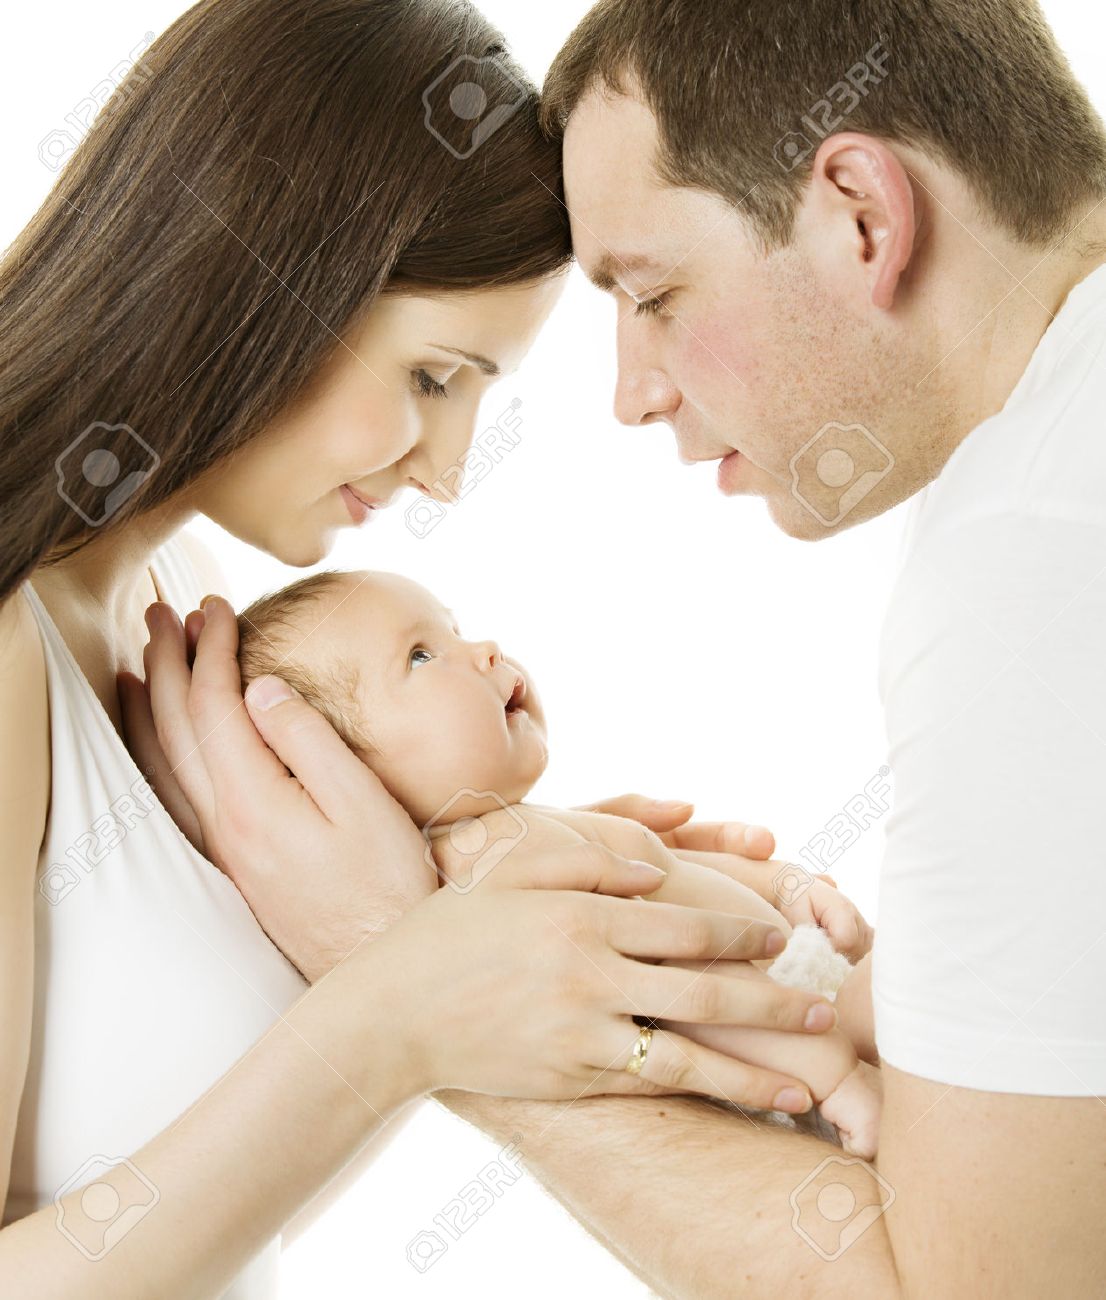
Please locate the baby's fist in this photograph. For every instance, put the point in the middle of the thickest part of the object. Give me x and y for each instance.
(816, 901)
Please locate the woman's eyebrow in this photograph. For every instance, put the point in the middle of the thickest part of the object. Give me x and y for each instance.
(482, 363)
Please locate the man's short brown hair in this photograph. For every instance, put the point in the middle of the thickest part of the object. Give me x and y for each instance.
(736, 88)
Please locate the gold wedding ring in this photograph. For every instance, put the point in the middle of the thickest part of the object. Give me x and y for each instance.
(640, 1051)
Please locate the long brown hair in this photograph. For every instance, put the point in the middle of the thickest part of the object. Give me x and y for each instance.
(255, 183)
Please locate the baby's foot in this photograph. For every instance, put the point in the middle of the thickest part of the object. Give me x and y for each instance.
(854, 1106)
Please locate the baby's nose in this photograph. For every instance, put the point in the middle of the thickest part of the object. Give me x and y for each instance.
(488, 652)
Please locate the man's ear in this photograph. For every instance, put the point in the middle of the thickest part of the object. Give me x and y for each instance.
(860, 178)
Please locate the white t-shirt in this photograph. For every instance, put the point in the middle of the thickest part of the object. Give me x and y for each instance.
(990, 959)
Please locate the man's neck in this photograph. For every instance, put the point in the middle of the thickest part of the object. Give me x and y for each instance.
(1025, 289)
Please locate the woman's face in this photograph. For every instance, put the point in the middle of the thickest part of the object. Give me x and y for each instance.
(394, 408)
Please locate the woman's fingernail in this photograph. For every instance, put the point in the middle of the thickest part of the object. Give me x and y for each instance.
(206, 599)
(267, 692)
(647, 866)
(754, 832)
(792, 1100)
(670, 805)
(821, 1016)
(775, 943)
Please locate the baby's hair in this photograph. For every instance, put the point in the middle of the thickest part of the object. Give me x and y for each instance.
(271, 631)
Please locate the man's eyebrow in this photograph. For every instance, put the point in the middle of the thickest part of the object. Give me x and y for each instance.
(605, 274)
(482, 363)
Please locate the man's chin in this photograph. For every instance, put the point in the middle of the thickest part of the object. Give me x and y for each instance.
(794, 520)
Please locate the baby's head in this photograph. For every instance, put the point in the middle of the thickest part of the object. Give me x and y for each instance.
(431, 713)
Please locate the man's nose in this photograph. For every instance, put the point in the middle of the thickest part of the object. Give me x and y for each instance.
(644, 393)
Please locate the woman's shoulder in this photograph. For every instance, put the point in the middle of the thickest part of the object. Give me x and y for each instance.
(24, 732)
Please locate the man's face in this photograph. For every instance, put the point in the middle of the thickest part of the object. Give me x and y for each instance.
(781, 359)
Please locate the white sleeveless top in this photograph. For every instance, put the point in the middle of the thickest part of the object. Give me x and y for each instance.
(152, 976)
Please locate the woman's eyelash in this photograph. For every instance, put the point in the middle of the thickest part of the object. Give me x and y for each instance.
(428, 386)
(418, 650)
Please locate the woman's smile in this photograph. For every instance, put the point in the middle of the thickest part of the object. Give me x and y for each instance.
(361, 508)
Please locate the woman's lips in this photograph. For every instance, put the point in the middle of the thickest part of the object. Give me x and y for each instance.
(361, 509)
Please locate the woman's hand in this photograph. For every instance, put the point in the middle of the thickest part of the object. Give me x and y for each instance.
(525, 985)
(671, 820)
(324, 857)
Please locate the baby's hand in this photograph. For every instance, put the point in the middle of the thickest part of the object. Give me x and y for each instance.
(821, 904)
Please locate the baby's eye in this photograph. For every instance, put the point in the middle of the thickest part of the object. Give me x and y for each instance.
(420, 656)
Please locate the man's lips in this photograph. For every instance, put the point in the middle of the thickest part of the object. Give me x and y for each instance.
(729, 473)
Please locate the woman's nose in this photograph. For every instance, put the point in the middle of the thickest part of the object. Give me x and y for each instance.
(442, 452)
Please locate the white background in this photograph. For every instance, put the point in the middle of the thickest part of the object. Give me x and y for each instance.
(682, 646)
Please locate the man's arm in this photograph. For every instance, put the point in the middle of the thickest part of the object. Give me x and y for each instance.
(976, 1194)
(691, 1198)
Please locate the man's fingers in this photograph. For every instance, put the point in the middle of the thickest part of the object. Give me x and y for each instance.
(745, 840)
(676, 1064)
(706, 998)
(305, 742)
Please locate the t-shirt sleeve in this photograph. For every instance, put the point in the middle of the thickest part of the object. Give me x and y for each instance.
(990, 957)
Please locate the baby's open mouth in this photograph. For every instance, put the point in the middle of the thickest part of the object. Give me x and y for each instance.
(514, 702)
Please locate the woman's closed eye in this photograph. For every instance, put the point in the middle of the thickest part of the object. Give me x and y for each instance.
(427, 386)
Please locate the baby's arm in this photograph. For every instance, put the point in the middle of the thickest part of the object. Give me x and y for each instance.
(854, 1010)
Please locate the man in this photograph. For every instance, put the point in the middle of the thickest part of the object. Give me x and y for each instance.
(857, 250)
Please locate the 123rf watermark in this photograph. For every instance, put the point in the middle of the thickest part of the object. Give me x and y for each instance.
(102, 468)
(465, 1209)
(103, 837)
(837, 1202)
(827, 114)
(836, 469)
(461, 478)
(841, 832)
(56, 147)
(116, 1195)
(476, 830)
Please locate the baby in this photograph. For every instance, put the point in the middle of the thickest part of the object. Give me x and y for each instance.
(456, 733)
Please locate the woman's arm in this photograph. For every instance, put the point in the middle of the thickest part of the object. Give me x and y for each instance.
(24, 802)
(244, 1158)
(225, 1186)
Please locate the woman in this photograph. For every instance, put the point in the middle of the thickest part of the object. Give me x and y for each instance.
(270, 287)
